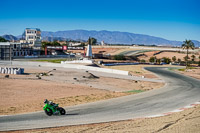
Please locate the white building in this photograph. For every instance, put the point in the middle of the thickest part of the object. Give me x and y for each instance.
(32, 36)
(74, 44)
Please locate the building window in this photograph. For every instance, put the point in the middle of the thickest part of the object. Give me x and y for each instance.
(28, 31)
(30, 37)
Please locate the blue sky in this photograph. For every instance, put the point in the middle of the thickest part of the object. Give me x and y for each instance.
(170, 19)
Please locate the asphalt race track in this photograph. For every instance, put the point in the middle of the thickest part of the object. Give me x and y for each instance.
(178, 92)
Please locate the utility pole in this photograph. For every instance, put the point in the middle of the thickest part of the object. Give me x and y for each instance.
(10, 56)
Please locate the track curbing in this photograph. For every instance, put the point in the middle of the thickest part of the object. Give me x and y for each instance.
(175, 111)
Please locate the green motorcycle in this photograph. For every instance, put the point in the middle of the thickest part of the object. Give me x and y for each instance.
(51, 108)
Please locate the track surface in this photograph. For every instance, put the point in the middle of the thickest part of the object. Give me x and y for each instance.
(179, 91)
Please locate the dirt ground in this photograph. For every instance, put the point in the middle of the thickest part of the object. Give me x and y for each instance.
(137, 70)
(26, 93)
(167, 54)
(187, 121)
(195, 73)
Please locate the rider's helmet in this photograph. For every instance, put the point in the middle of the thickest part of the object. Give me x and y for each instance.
(45, 101)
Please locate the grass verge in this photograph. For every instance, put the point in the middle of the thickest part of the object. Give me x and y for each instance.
(52, 61)
(134, 91)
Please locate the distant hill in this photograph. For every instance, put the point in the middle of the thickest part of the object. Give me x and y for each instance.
(196, 43)
(10, 37)
(110, 37)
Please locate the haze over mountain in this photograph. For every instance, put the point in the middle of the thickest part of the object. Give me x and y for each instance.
(109, 37)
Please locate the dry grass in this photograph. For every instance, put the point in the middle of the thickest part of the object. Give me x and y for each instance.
(136, 70)
(26, 93)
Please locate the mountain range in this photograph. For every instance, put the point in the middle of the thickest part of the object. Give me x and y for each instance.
(10, 37)
(109, 37)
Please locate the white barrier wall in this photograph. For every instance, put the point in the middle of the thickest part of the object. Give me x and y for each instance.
(75, 66)
(78, 61)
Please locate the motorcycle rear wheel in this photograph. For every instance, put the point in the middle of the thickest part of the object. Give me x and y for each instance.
(62, 111)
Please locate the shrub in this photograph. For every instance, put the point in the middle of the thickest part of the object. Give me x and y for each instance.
(182, 69)
(142, 61)
(152, 59)
(119, 57)
(174, 58)
(166, 60)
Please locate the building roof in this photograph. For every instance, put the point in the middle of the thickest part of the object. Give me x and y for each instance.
(33, 29)
(4, 43)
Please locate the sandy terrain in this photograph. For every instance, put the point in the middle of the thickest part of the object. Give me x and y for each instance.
(137, 70)
(167, 54)
(26, 93)
(195, 73)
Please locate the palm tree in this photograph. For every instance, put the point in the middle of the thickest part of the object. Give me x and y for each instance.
(187, 44)
(92, 41)
(199, 61)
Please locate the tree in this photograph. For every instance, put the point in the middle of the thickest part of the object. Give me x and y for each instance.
(199, 61)
(174, 58)
(55, 43)
(193, 57)
(186, 58)
(3, 39)
(187, 44)
(44, 44)
(158, 61)
(92, 41)
(152, 59)
(166, 60)
(179, 60)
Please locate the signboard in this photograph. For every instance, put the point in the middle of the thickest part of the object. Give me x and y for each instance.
(75, 48)
(55, 47)
(64, 47)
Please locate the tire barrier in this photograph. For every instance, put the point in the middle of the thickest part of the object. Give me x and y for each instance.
(7, 70)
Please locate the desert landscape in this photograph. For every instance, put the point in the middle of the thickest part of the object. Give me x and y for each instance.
(25, 93)
(104, 66)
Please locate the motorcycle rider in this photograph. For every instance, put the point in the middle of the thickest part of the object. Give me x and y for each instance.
(49, 102)
(53, 105)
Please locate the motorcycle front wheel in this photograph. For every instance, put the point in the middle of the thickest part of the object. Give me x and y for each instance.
(49, 112)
